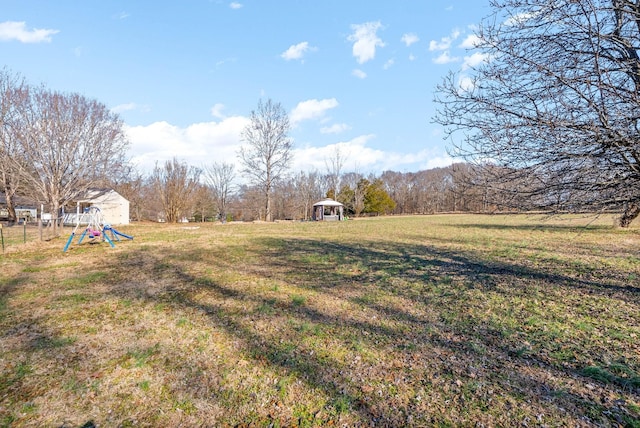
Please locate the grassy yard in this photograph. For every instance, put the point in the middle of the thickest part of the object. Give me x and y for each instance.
(400, 321)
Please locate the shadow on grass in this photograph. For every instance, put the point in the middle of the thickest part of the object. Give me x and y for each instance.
(417, 262)
(386, 334)
(25, 334)
(539, 227)
(7, 288)
(442, 344)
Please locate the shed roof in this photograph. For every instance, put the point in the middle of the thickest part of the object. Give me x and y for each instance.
(327, 203)
(92, 195)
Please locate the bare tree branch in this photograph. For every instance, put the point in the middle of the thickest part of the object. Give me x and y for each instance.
(68, 144)
(552, 116)
(12, 102)
(268, 151)
(219, 178)
(175, 183)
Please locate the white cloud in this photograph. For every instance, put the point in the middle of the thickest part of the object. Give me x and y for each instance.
(297, 51)
(235, 5)
(435, 161)
(365, 40)
(225, 61)
(130, 107)
(216, 111)
(336, 128)
(410, 38)
(474, 60)
(465, 83)
(389, 64)
(124, 107)
(360, 157)
(197, 144)
(445, 42)
(13, 30)
(445, 58)
(359, 74)
(355, 151)
(312, 109)
(470, 42)
(519, 19)
(204, 143)
(412, 57)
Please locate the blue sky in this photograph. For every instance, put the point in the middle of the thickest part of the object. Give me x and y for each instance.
(355, 76)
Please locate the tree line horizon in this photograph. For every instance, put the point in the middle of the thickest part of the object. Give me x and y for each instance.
(549, 121)
(55, 146)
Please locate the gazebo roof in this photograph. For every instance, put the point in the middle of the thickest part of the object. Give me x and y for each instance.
(327, 203)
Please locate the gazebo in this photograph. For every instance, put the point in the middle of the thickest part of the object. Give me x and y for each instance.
(328, 210)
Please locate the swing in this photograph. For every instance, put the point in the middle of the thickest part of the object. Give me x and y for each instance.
(96, 228)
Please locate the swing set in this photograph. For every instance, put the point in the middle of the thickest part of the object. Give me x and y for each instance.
(96, 230)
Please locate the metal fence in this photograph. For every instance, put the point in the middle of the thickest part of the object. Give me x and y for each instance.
(13, 236)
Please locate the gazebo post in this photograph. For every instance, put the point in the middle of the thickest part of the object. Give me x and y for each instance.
(335, 210)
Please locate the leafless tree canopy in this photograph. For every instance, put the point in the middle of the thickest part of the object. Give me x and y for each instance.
(12, 96)
(267, 154)
(176, 184)
(306, 190)
(219, 178)
(553, 113)
(71, 144)
(334, 168)
(131, 185)
(55, 146)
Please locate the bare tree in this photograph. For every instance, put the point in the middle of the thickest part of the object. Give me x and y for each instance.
(219, 178)
(204, 206)
(334, 167)
(268, 151)
(247, 203)
(12, 101)
(398, 186)
(151, 207)
(307, 190)
(69, 144)
(553, 114)
(284, 200)
(131, 185)
(176, 184)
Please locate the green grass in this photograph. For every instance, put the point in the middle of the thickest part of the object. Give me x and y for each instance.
(452, 320)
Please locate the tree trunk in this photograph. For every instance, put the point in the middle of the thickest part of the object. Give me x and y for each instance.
(631, 212)
(54, 214)
(11, 207)
(9, 192)
(267, 214)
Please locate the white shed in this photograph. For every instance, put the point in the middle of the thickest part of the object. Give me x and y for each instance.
(113, 206)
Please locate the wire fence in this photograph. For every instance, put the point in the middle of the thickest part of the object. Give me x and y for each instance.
(13, 236)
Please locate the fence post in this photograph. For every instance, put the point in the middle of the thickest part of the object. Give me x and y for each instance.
(40, 221)
(2, 238)
(24, 230)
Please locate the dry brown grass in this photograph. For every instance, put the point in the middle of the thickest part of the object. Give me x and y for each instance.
(412, 321)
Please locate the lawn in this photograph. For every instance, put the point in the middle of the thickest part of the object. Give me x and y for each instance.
(452, 320)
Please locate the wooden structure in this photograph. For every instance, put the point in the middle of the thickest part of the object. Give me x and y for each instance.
(113, 206)
(328, 210)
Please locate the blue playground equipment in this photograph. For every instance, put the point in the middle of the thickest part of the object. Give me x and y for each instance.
(96, 229)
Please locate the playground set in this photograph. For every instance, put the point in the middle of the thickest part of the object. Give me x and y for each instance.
(96, 229)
